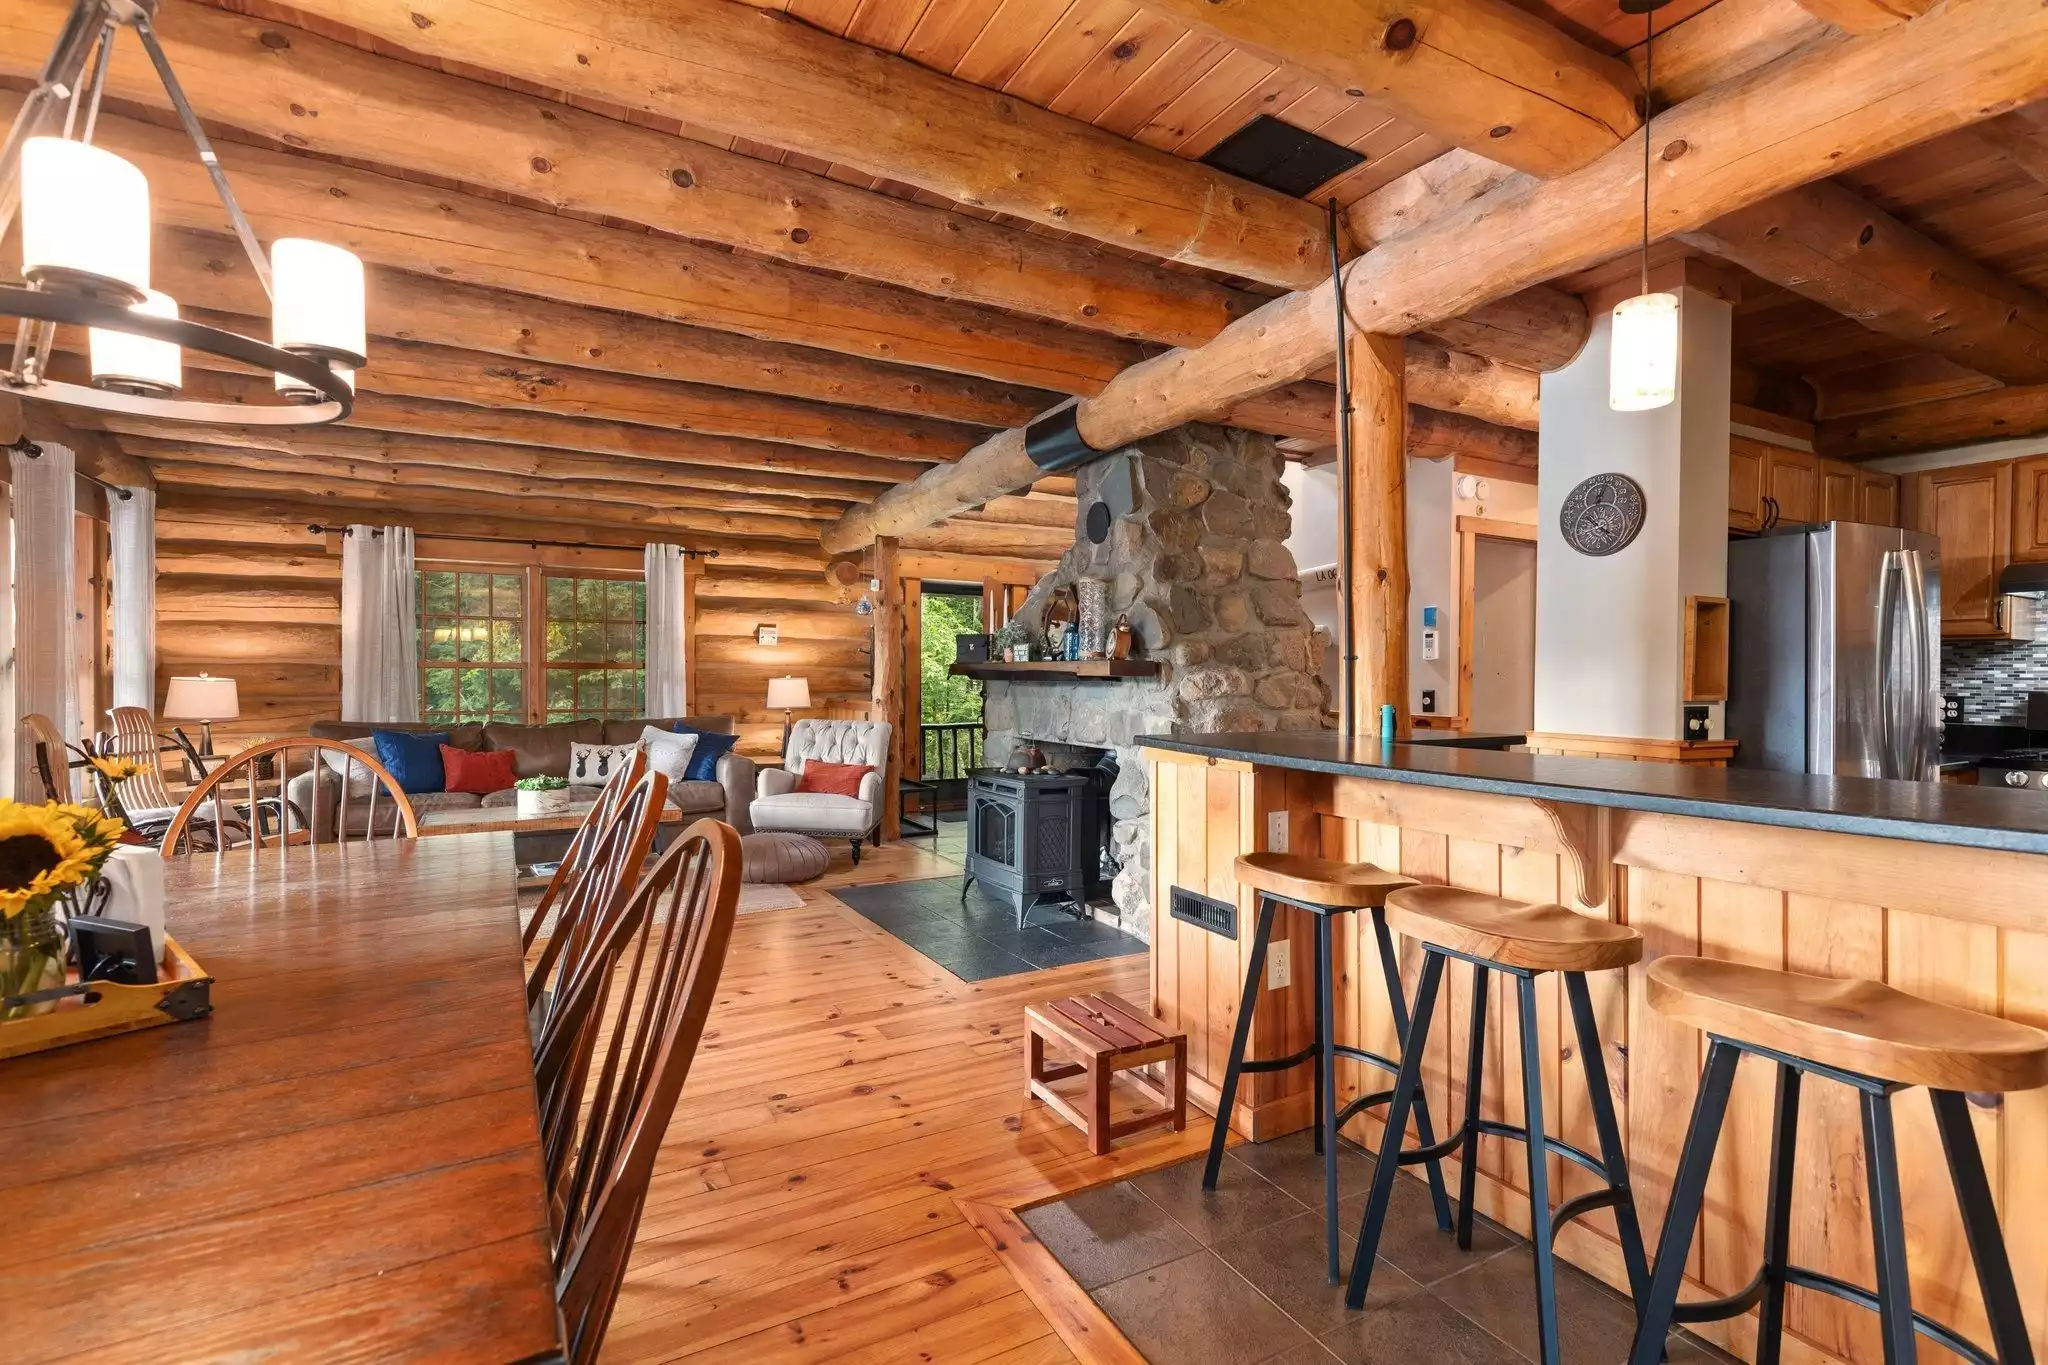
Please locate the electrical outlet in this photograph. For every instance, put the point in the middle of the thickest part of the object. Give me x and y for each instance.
(1429, 701)
(1276, 831)
(1279, 965)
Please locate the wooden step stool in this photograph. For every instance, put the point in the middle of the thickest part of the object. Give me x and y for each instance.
(1110, 1034)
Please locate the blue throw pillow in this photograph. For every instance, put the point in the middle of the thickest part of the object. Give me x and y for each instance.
(710, 748)
(414, 759)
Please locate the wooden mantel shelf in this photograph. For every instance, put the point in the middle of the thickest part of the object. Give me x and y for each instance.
(1055, 670)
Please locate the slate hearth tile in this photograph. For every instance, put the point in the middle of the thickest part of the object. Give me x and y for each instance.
(1090, 931)
(1240, 1203)
(1418, 1329)
(1413, 1242)
(980, 962)
(1197, 1309)
(1308, 1353)
(1109, 1234)
(1288, 1262)
(1292, 1164)
(1593, 1322)
(1060, 953)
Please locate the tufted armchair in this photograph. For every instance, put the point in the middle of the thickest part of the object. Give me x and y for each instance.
(779, 805)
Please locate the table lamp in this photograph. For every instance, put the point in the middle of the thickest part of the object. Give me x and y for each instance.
(204, 699)
(787, 695)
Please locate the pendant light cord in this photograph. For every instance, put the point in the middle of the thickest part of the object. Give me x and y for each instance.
(1649, 86)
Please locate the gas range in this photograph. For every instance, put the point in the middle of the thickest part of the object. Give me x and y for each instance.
(2015, 768)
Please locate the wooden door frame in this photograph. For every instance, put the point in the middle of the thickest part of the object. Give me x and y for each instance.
(1472, 530)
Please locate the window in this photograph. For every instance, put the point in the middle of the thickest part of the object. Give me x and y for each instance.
(596, 647)
(472, 646)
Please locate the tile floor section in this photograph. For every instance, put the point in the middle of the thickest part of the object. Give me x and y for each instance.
(1238, 1277)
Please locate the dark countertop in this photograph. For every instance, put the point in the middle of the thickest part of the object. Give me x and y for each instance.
(1926, 812)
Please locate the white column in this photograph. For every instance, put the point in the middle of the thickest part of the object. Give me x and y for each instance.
(45, 504)
(131, 520)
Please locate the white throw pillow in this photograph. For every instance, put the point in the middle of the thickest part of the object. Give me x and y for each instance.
(592, 765)
(668, 752)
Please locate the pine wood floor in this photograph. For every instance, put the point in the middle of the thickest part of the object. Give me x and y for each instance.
(847, 1094)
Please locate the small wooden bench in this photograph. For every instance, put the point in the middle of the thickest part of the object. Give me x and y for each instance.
(1110, 1035)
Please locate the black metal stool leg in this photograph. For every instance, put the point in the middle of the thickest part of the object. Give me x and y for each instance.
(1398, 1004)
(1888, 1229)
(1326, 1086)
(1980, 1226)
(1475, 1072)
(1593, 1060)
(1770, 1319)
(1228, 1096)
(1540, 1234)
(1407, 1094)
(1688, 1190)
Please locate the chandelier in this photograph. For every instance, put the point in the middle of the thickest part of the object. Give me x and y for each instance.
(85, 234)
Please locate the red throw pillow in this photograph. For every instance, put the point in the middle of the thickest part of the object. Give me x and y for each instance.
(482, 773)
(834, 779)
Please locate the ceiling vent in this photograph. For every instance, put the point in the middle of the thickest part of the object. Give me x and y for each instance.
(1282, 157)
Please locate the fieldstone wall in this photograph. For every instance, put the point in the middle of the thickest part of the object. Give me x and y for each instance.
(1201, 568)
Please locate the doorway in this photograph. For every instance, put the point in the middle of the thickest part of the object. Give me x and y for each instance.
(1498, 639)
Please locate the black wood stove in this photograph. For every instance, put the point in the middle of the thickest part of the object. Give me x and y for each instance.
(1037, 838)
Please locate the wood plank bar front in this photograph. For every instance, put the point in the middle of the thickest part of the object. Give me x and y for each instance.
(1965, 926)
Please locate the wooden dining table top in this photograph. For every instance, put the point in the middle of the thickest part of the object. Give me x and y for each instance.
(341, 1163)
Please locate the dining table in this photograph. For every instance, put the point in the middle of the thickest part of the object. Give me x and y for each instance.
(340, 1162)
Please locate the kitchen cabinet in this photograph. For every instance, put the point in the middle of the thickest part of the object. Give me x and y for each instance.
(1772, 485)
(1792, 486)
(1971, 508)
(1877, 498)
(2030, 509)
(1745, 484)
(1840, 492)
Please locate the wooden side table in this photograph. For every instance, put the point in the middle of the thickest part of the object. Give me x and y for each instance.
(1108, 1034)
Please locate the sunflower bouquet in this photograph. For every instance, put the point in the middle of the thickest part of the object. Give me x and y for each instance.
(109, 770)
(48, 854)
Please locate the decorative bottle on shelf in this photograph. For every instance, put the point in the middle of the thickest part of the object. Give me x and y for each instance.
(1094, 611)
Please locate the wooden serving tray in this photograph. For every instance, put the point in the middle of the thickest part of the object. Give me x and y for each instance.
(181, 992)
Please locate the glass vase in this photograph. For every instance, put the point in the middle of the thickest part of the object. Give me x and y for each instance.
(31, 958)
(1094, 613)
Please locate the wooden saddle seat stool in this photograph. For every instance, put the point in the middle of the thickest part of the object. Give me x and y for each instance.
(1323, 888)
(1522, 941)
(1878, 1041)
(1108, 1034)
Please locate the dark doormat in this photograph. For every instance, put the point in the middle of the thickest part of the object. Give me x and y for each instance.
(981, 939)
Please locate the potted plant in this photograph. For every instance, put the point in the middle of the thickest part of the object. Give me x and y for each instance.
(48, 854)
(543, 795)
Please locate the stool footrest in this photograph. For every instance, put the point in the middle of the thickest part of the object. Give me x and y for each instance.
(1584, 1204)
(1751, 1294)
(1279, 1063)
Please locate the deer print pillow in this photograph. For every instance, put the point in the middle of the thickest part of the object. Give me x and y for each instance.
(592, 765)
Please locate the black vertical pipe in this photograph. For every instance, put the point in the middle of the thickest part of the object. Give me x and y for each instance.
(1347, 643)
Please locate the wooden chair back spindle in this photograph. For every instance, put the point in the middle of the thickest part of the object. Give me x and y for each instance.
(52, 759)
(135, 736)
(277, 821)
(595, 821)
(677, 924)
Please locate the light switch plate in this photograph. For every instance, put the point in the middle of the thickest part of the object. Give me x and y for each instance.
(1276, 831)
(1279, 965)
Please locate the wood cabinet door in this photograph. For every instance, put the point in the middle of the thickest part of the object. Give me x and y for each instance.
(1970, 508)
(1839, 500)
(1792, 483)
(2030, 509)
(1877, 497)
(1745, 484)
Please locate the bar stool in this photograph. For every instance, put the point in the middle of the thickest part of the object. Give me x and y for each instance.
(1524, 941)
(1325, 888)
(1878, 1040)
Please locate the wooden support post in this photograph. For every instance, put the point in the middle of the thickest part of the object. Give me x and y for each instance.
(1379, 537)
(912, 747)
(886, 701)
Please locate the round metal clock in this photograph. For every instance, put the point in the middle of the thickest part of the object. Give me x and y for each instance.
(1603, 514)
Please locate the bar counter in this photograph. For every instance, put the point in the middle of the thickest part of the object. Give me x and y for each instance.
(1941, 890)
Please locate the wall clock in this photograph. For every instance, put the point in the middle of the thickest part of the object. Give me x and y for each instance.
(1603, 514)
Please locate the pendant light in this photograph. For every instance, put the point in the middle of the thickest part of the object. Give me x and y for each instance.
(1642, 344)
(127, 363)
(84, 220)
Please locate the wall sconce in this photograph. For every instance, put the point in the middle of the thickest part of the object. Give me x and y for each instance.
(767, 635)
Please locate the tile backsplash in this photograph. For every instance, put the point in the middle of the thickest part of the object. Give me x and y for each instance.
(1993, 677)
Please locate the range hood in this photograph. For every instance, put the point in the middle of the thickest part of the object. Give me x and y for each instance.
(2023, 580)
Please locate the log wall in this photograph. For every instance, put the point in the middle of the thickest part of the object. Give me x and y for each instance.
(1962, 926)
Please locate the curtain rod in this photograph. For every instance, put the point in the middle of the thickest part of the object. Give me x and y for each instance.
(35, 452)
(317, 529)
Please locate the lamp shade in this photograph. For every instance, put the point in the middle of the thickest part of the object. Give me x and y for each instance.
(317, 300)
(84, 219)
(133, 364)
(789, 694)
(201, 698)
(1642, 363)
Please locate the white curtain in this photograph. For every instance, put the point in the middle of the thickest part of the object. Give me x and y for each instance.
(131, 523)
(380, 678)
(668, 644)
(45, 665)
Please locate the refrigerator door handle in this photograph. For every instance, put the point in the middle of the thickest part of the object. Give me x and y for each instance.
(1892, 690)
(1922, 715)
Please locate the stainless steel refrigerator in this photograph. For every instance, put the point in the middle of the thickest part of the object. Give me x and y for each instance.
(1834, 651)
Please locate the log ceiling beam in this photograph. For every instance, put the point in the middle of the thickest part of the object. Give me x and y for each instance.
(1996, 414)
(1729, 38)
(764, 76)
(1823, 109)
(1866, 16)
(1481, 74)
(2021, 137)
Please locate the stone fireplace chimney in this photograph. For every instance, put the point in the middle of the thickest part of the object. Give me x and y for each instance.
(1200, 567)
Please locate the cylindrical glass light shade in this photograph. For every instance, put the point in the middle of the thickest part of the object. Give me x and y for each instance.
(133, 364)
(300, 392)
(1642, 366)
(84, 219)
(317, 300)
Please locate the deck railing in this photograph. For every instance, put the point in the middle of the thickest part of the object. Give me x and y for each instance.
(950, 750)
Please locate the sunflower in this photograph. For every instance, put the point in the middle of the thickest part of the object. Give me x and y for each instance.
(43, 850)
(116, 769)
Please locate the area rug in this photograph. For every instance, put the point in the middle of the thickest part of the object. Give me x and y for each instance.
(758, 896)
